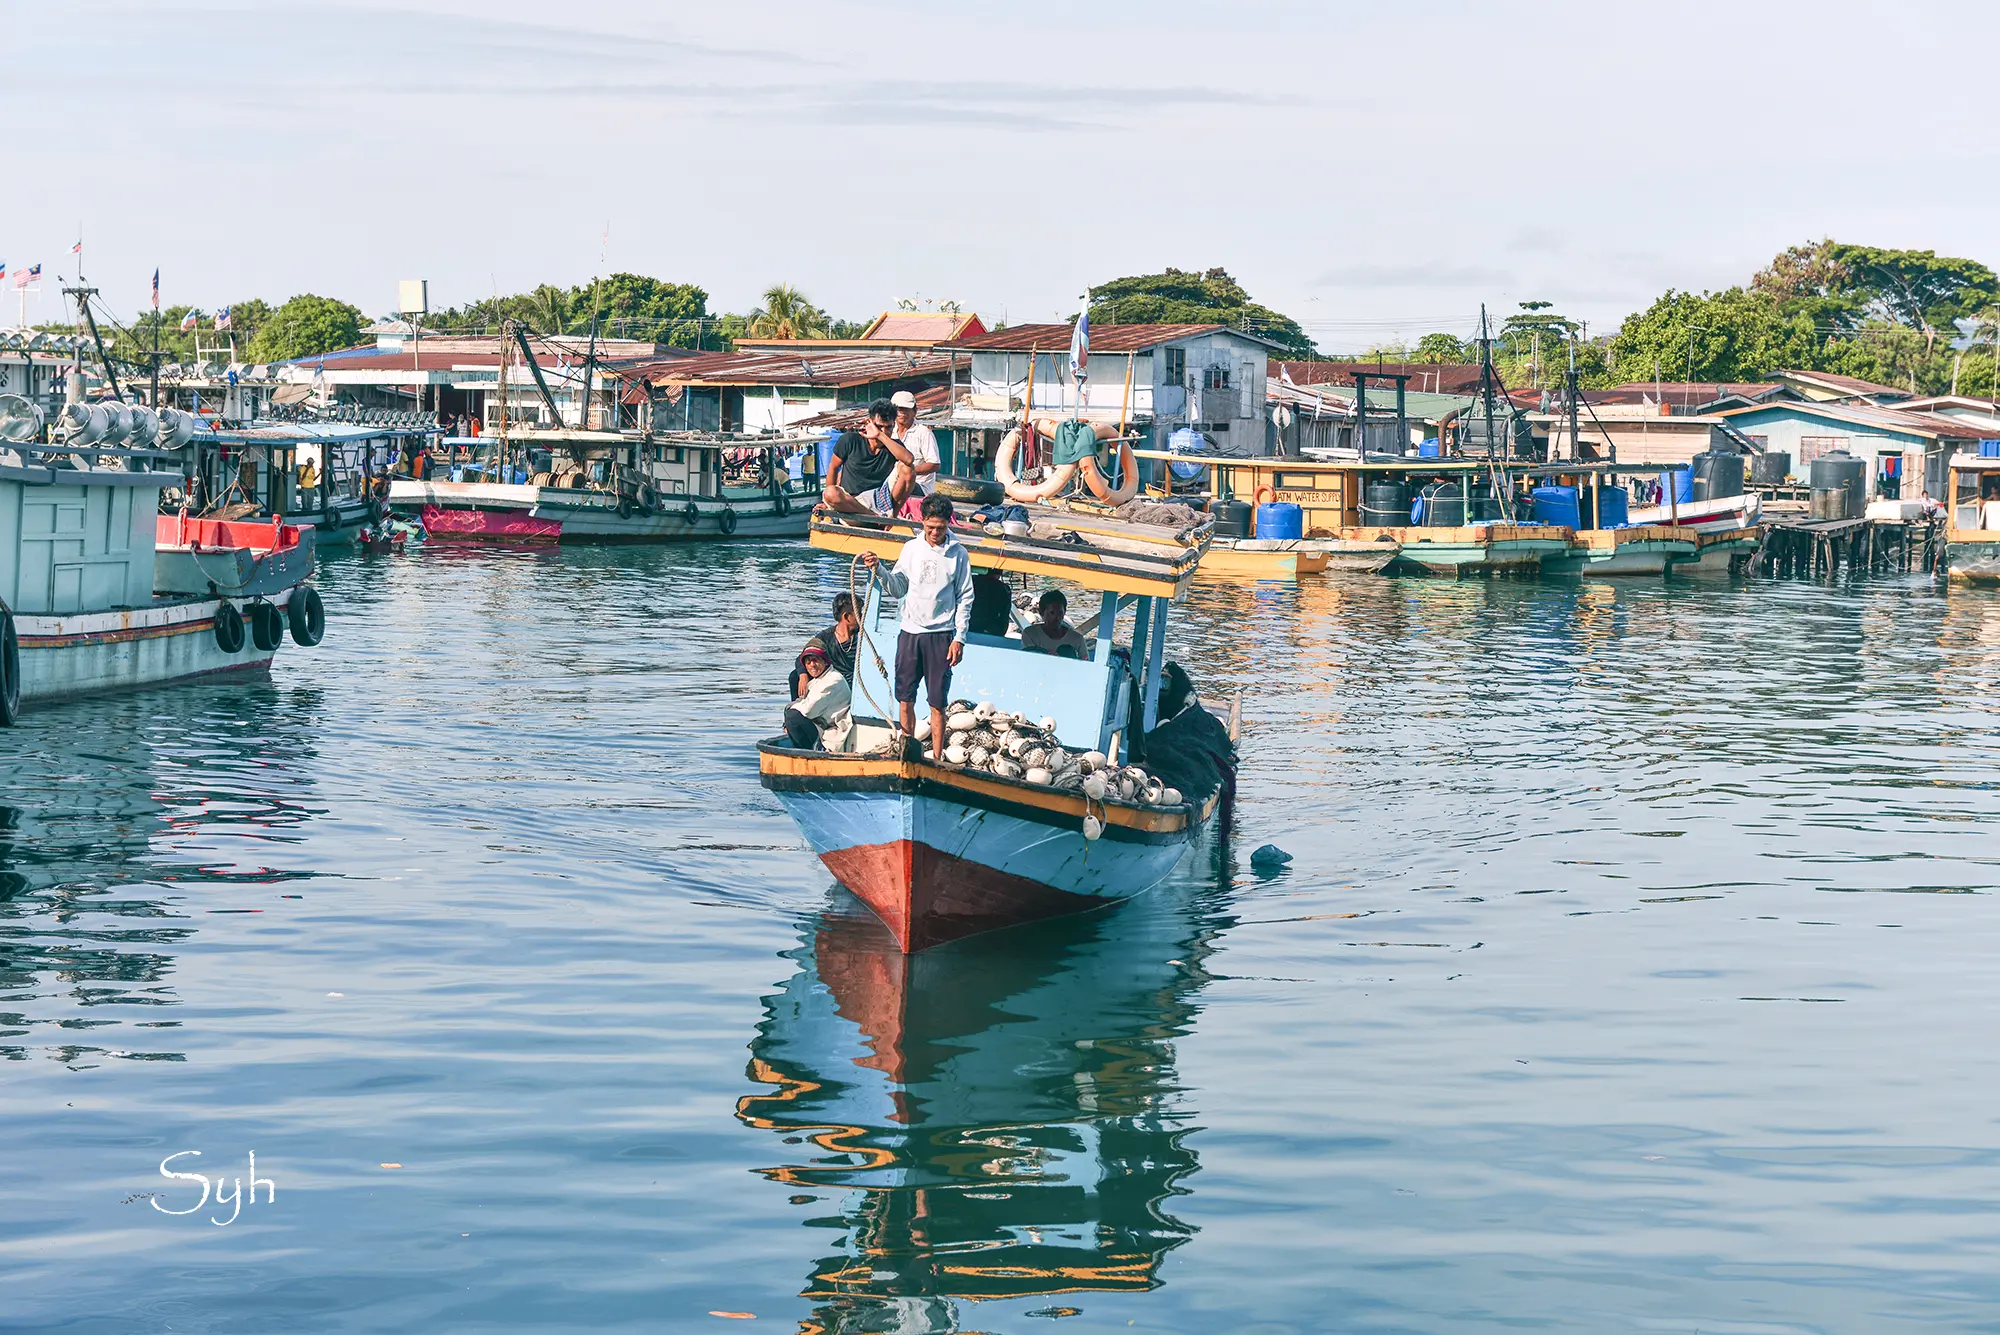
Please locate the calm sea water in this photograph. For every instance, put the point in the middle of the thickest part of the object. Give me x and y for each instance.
(1635, 972)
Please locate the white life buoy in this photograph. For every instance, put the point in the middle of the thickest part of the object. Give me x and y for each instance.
(1017, 490)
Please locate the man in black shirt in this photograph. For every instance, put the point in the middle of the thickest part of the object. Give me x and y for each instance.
(838, 640)
(871, 472)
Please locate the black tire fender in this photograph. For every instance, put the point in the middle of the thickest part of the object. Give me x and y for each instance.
(692, 513)
(10, 668)
(267, 626)
(625, 507)
(377, 512)
(727, 520)
(307, 616)
(228, 627)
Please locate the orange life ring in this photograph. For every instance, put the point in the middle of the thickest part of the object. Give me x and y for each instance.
(1257, 496)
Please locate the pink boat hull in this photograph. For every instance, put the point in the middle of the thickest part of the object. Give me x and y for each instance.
(509, 524)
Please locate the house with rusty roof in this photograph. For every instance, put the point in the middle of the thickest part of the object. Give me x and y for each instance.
(1156, 378)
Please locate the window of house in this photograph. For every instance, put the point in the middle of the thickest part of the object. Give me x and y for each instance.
(1215, 377)
(1812, 447)
(1176, 373)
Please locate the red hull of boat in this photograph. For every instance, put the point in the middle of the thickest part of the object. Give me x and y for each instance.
(928, 897)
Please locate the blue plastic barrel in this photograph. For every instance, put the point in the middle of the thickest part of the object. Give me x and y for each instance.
(1989, 449)
(1684, 486)
(1556, 505)
(1280, 519)
(826, 452)
(1614, 506)
(1430, 449)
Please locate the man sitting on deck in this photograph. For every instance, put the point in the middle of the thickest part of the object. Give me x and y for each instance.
(1052, 634)
(871, 472)
(837, 640)
(933, 577)
(821, 718)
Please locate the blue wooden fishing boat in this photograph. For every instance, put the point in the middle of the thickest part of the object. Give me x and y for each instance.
(942, 850)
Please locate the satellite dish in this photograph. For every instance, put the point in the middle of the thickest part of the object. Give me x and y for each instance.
(1281, 417)
(20, 420)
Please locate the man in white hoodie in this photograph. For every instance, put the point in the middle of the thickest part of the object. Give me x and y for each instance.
(933, 577)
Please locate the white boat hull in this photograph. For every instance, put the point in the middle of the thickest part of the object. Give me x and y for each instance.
(91, 653)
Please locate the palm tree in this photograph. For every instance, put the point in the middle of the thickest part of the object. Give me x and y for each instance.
(549, 308)
(787, 314)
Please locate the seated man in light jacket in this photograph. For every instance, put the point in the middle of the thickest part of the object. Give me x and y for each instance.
(820, 719)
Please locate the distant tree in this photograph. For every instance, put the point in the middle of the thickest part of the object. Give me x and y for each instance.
(1444, 348)
(787, 314)
(1213, 297)
(304, 326)
(1918, 289)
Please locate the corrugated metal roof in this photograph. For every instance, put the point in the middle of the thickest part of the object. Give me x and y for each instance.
(930, 401)
(840, 369)
(1847, 384)
(1934, 425)
(1432, 377)
(923, 326)
(1103, 337)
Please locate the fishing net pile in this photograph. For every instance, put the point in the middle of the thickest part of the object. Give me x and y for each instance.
(1012, 746)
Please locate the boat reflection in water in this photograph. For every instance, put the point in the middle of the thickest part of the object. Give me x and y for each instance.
(1002, 1114)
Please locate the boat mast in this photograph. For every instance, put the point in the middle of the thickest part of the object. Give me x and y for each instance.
(83, 296)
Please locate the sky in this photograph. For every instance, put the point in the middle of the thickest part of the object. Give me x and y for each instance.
(1374, 171)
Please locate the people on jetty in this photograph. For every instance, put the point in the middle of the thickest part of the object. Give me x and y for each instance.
(918, 440)
(871, 472)
(1052, 634)
(836, 641)
(933, 578)
(820, 719)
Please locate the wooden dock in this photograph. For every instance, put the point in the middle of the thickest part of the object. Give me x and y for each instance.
(1797, 547)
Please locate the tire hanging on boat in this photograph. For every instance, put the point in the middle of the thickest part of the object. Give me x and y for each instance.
(267, 626)
(228, 627)
(781, 503)
(377, 512)
(728, 520)
(691, 512)
(307, 615)
(10, 668)
(625, 507)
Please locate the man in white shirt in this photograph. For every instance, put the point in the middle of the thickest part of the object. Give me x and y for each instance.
(918, 440)
(821, 718)
(933, 577)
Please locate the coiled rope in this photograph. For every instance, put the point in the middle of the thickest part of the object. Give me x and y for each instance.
(893, 718)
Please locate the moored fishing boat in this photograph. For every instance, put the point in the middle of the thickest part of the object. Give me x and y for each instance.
(327, 476)
(604, 486)
(941, 850)
(100, 592)
(1972, 519)
(1265, 558)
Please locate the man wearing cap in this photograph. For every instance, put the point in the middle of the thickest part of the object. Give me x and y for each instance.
(820, 719)
(918, 440)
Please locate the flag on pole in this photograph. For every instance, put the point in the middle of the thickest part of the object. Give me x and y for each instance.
(1285, 376)
(77, 249)
(222, 318)
(3, 268)
(190, 320)
(1079, 353)
(156, 289)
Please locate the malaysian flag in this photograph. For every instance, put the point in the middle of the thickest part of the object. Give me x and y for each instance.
(156, 289)
(190, 320)
(27, 275)
(222, 318)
